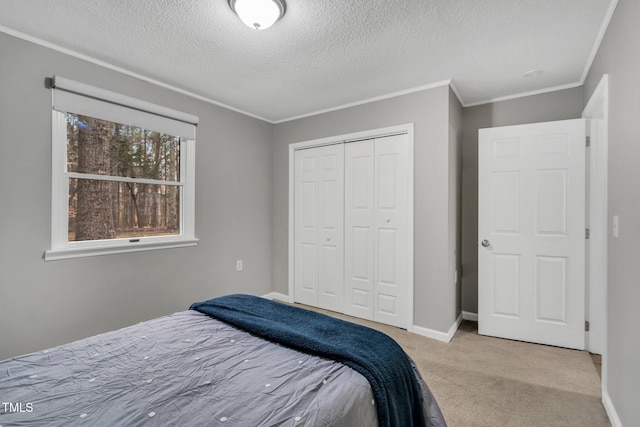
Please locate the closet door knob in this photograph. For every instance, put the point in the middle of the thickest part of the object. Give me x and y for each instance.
(328, 239)
(387, 220)
(485, 243)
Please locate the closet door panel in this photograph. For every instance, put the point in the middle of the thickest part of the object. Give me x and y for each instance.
(390, 224)
(359, 229)
(306, 226)
(331, 227)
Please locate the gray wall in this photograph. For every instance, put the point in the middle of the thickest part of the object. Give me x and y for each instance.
(455, 199)
(434, 294)
(619, 56)
(43, 304)
(559, 105)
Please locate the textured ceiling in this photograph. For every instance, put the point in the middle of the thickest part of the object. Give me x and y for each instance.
(326, 53)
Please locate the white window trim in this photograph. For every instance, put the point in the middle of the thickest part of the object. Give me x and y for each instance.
(61, 248)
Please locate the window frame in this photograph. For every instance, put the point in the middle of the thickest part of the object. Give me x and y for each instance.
(96, 99)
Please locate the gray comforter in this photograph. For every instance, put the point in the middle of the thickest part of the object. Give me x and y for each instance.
(183, 369)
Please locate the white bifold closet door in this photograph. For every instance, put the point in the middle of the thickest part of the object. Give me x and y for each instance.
(351, 243)
(376, 230)
(319, 227)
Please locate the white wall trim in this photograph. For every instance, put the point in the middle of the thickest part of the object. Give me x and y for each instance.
(122, 248)
(611, 410)
(467, 315)
(585, 72)
(101, 63)
(437, 335)
(597, 110)
(455, 90)
(418, 330)
(448, 82)
(118, 69)
(368, 100)
(525, 94)
(339, 139)
(278, 296)
(598, 41)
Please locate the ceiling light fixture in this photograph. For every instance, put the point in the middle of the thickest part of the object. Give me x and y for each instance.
(258, 14)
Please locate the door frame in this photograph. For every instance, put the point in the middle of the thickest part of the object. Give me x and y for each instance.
(597, 111)
(344, 139)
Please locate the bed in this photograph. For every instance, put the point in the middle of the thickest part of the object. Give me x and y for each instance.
(217, 364)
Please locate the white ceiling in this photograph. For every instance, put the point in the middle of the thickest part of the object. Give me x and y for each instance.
(325, 54)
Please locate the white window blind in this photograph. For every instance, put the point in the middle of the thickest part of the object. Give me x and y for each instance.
(80, 98)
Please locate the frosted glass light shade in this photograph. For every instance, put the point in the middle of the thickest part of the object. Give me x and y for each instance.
(258, 14)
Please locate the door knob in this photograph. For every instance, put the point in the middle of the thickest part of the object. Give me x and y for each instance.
(485, 243)
(387, 220)
(328, 239)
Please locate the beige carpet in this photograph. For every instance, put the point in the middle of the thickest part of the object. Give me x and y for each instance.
(485, 381)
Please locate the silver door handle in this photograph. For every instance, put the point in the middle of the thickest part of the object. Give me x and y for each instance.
(485, 243)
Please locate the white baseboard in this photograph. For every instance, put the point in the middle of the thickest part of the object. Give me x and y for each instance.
(611, 410)
(420, 330)
(467, 315)
(279, 296)
(437, 335)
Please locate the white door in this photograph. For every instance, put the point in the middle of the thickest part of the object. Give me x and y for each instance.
(359, 228)
(376, 230)
(319, 198)
(391, 249)
(306, 226)
(331, 227)
(531, 232)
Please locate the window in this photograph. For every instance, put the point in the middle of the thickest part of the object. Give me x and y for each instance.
(122, 173)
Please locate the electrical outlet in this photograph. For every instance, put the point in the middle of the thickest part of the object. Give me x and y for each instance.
(239, 265)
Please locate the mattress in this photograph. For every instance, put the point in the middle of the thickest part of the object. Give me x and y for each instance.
(185, 369)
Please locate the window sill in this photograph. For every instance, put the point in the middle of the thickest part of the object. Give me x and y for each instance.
(70, 253)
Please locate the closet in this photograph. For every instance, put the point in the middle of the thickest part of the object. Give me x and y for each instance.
(353, 228)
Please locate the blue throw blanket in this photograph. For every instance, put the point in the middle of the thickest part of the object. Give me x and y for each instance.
(371, 353)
